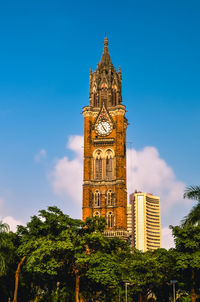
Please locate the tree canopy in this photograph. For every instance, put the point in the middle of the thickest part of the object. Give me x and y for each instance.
(57, 258)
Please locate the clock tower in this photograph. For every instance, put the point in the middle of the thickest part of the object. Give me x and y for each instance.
(104, 180)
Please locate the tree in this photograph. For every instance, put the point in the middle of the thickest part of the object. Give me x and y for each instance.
(8, 258)
(68, 252)
(48, 244)
(148, 273)
(193, 217)
(4, 228)
(187, 254)
(104, 271)
(97, 260)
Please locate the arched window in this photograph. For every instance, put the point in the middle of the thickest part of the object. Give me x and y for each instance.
(98, 170)
(96, 214)
(97, 199)
(110, 220)
(98, 165)
(110, 198)
(108, 167)
(109, 164)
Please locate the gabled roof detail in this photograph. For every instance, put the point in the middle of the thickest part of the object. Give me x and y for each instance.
(104, 115)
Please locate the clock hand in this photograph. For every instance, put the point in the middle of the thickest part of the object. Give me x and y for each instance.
(103, 127)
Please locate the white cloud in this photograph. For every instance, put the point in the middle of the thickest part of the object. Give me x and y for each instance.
(149, 173)
(75, 144)
(40, 155)
(67, 175)
(146, 171)
(167, 240)
(12, 222)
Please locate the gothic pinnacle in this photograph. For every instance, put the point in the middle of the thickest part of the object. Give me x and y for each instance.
(106, 41)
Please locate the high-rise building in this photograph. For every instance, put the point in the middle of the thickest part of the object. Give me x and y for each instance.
(104, 183)
(143, 221)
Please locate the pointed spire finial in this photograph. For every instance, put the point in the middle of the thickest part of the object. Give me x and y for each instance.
(106, 41)
(105, 59)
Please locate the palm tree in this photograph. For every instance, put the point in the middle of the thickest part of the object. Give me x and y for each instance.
(4, 228)
(192, 192)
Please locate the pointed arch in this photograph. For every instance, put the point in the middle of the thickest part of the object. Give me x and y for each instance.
(96, 214)
(110, 219)
(98, 164)
(109, 155)
(96, 198)
(110, 198)
(114, 95)
(104, 92)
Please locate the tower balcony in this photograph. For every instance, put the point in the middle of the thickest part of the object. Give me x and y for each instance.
(116, 233)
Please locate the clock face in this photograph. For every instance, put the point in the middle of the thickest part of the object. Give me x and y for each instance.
(103, 128)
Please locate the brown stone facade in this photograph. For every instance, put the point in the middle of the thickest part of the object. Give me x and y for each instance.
(104, 183)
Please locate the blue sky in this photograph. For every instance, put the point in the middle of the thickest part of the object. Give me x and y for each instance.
(46, 51)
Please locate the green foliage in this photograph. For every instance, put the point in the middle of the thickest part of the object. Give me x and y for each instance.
(47, 241)
(8, 259)
(185, 299)
(187, 253)
(149, 272)
(6, 248)
(192, 192)
(104, 269)
(58, 249)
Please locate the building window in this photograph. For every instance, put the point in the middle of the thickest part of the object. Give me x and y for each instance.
(98, 170)
(110, 198)
(108, 167)
(110, 220)
(98, 165)
(109, 164)
(97, 199)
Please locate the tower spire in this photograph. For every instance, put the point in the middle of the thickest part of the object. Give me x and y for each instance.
(105, 59)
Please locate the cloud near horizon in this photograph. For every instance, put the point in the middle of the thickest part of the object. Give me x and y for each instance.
(146, 171)
(149, 173)
(10, 220)
(167, 240)
(67, 175)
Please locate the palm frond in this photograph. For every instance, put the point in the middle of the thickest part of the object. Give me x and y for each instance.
(4, 227)
(192, 192)
(193, 217)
